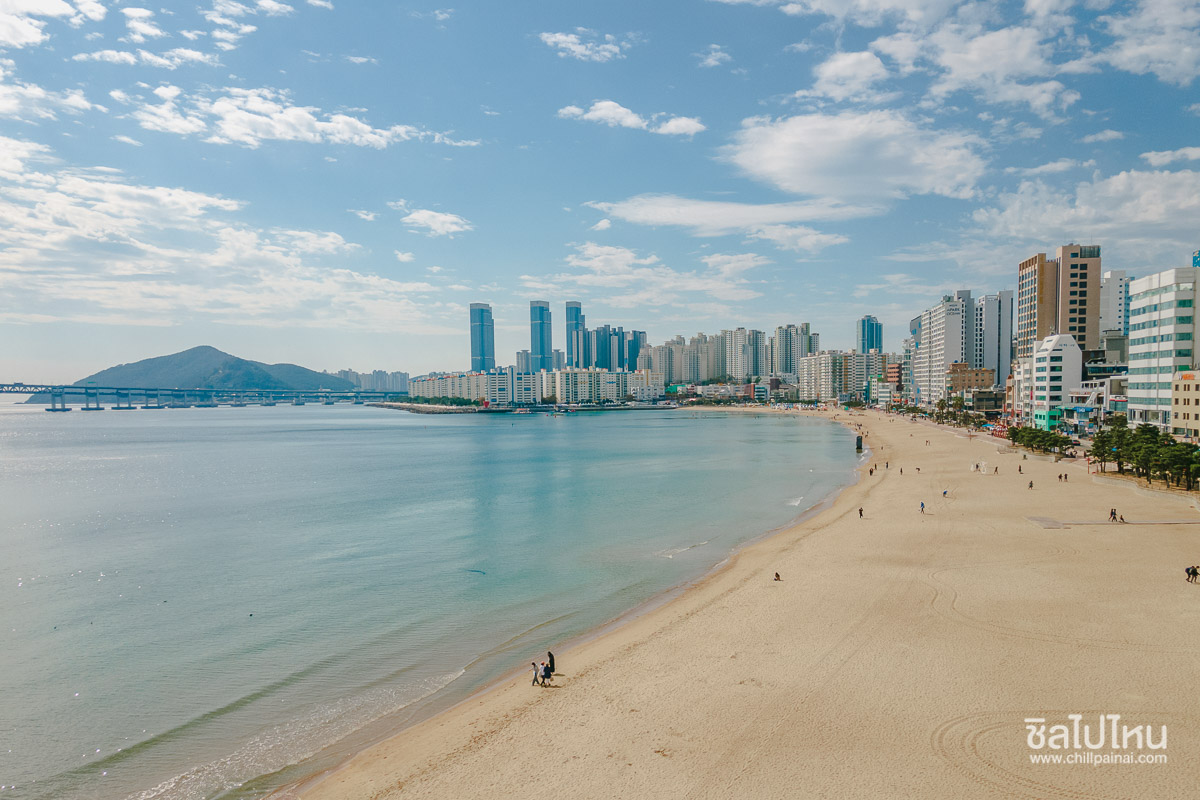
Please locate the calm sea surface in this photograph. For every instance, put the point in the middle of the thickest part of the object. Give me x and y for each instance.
(192, 599)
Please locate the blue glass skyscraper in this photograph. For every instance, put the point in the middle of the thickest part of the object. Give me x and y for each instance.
(483, 338)
(870, 335)
(575, 325)
(541, 348)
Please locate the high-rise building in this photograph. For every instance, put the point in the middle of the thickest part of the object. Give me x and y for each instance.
(541, 348)
(575, 327)
(789, 344)
(483, 338)
(869, 335)
(1114, 301)
(1059, 295)
(1162, 331)
(993, 334)
(746, 354)
(940, 333)
(523, 364)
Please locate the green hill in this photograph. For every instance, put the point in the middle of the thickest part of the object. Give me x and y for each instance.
(208, 368)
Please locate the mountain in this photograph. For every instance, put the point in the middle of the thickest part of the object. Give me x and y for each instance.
(208, 368)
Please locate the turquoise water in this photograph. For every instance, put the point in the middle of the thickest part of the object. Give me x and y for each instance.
(193, 598)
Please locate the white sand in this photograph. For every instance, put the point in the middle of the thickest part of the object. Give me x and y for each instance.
(898, 657)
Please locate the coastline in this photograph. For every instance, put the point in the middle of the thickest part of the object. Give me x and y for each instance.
(724, 688)
(428, 710)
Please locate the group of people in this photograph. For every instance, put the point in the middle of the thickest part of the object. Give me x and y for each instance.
(543, 673)
(1192, 574)
(1064, 477)
(1113, 516)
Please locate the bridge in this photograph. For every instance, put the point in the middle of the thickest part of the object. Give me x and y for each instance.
(123, 398)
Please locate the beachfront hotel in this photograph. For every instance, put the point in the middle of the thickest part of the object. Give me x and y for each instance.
(1162, 327)
(1059, 295)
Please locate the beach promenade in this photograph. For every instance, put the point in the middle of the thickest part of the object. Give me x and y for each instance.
(898, 657)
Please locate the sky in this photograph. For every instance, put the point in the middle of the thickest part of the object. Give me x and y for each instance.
(332, 183)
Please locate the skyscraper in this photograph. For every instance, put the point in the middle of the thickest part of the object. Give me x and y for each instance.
(1054, 296)
(1114, 301)
(575, 322)
(993, 334)
(483, 338)
(870, 334)
(541, 349)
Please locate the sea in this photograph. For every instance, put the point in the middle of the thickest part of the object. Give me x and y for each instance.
(212, 602)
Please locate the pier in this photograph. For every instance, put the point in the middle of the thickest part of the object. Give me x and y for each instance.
(125, 398)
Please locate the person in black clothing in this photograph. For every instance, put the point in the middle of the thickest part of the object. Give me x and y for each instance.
(550, 661)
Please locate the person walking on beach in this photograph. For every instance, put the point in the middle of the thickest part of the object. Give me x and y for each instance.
(777, 577)
(537, 673)
(922, 506)
(860, 516)
(550, 656)
(1112, 515)
(1031, 484)
(1018, 469)
(547, 675)
(1191, 574)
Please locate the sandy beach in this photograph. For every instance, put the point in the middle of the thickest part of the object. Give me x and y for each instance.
(899, 656)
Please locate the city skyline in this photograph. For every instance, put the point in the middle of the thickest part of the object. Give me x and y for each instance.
(334, 183)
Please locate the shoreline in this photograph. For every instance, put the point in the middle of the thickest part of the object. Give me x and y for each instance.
(427, 710)
(898, 656)
(432, 712)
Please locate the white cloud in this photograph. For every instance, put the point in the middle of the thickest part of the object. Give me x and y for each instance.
(1141, 216)
(366, 216)
(1161, 158)
(880, 154)
(867, 13)
(1103, 136)
(83, 245)
(273, 8)
(998, 65)
(403, 257)
(321, 4)
(679, 126)
(436, 223)
(171, 59)
(19, 23)
(1161, 37)
(845, 76)
(773, 222)
(630, 280)
(251, 116)
(602, 225)
(140, 25)
(714, 56)
(1053, 167)
(29, 102)
(719, 217)
(127, 140)
(587, 45)
(361, 60)
(93, 10)
(615, 115)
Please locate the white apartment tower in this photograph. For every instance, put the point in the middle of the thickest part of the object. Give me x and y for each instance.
(1114, 301)
(1162, 328)
(993, 334)
(941, 344)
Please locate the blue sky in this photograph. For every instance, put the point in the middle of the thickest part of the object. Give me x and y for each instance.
(333, 183)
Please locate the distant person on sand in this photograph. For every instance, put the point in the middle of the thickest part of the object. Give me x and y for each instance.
(537, 673)
(1112, 515)
(777, 577)
(550, 656)
(1121, 518)
(922, 506)
(1191, 574)
(860, 512)
(944, 492)
(547, 675)
(1018, 469)
(1031, 484)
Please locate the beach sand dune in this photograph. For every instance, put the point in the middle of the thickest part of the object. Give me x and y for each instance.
(899, 656)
